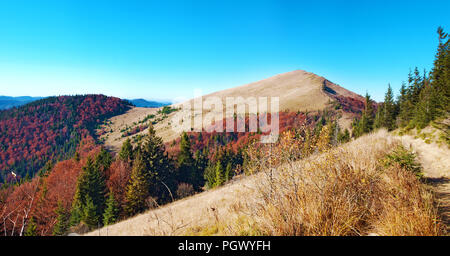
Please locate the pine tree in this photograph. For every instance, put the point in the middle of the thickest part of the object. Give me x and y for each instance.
(126, 153)
(111, 211)
(137, 190)
(61, 225)
(31, 228)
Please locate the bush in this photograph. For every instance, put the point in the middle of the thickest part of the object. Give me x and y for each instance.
(185, 190)
(405, 159)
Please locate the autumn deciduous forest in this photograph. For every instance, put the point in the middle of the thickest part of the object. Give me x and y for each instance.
(49, 130)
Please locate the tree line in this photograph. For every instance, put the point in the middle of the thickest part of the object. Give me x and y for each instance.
(423, 99)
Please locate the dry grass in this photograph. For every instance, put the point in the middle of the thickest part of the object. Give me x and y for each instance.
(343, 191)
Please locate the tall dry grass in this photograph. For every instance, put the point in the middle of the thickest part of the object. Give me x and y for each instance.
(343, 191)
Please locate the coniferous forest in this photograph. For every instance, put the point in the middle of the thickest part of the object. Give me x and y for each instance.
(422, 99)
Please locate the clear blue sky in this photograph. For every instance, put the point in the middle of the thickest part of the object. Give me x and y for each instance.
(164, 49)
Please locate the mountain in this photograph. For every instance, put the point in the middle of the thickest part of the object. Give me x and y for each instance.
(148, 104)
(7, 102)
(50, 129)
(298, 91)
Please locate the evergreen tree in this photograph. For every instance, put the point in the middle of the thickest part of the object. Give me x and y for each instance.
(111, 211)
(378, 122)
(31, 228)
(228, 172)
(201, 163)
(76, 157)
(137, 189)
(103, 160)
(91, 184)
(405, 107)
(439, 94)
(366, 123)
(90, 216)
(61, 225)
(343, 137)
(158, 168)
(185, 159)
(219, 179)
(210, 175)
(46, 169)
(126, 153)
(388, 111)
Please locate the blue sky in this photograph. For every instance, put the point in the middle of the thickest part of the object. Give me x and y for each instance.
(165, 49)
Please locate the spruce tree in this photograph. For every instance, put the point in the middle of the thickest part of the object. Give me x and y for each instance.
(219, 178)
(228, 172)
(111, 211)
(103, 160)
(126, 153)
(137, 189)
(90, 216)
(186, 163)
(158, 168)
(440, 74)
(378, 122)
(91, 184)
(388, 111)
(61, 225)
(210, 175)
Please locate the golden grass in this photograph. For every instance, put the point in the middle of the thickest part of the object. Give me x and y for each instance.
(343, 191)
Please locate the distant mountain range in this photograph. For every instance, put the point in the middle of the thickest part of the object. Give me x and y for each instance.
(7, 102)
(148, 104)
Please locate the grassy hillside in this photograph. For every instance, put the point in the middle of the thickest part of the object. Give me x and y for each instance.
(298, 91)
(349, 190)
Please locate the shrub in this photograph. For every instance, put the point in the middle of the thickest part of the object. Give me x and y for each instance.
(185, 190)
(406, 159)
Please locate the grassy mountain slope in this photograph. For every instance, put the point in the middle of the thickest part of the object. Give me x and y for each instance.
(297, 90)
(348, 190)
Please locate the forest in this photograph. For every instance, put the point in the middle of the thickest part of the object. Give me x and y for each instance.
(422, 100)
(49, 130)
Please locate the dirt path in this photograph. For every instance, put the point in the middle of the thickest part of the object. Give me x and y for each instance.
(436, 164)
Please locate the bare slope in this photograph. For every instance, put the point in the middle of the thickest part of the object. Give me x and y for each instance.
(297, 90)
